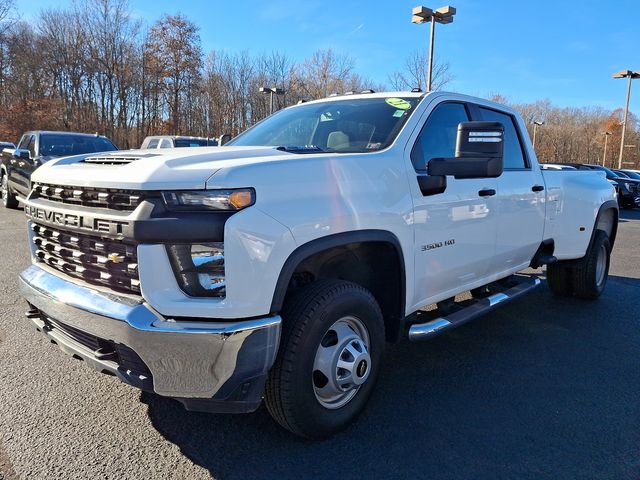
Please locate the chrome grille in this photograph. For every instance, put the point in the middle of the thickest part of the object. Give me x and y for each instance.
(91, 197)
(96, 260)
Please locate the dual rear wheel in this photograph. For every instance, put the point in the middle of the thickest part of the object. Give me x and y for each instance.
(585, 278)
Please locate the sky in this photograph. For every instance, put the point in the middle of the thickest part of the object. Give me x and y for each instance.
(564, 50)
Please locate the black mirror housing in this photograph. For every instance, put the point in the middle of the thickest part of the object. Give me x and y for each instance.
(479, 152)
(22, 154)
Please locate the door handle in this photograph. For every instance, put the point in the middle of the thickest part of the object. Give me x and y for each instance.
(487, 192)
(537, 188)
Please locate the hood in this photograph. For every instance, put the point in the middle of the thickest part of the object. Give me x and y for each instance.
(177, 168)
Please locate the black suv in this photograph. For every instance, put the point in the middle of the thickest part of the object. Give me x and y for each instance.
(36, 148)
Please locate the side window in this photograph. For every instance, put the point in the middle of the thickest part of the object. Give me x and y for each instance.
(165, 143)
(438, 136)
(153, 143)
(513, 156)
(31, 146)
(24, 141)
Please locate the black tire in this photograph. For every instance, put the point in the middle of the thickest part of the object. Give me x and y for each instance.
(559, 278)
(9, 200)
(590, 276)
(308, 316)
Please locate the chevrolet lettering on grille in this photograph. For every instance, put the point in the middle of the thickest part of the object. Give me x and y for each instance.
(83, 222)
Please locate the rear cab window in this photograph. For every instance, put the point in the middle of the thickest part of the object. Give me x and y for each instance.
(514, 158)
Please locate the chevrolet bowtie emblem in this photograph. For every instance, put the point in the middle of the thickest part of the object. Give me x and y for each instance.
(115, 258)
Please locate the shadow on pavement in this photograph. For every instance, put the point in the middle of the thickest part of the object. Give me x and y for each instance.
(544, 387)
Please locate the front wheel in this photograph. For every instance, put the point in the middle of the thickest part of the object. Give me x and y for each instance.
(9, 200)
(329, 358)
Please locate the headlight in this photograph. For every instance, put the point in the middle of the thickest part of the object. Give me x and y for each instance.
(199, 268)
(197, 200)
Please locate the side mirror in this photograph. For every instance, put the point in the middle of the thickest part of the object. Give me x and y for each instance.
(224, 138)
(22, 154)
(479, 152)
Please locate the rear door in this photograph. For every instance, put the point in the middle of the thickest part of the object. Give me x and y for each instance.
(455, 231)
(521, 198)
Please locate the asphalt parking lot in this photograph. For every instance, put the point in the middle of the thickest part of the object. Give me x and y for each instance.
(542, 388)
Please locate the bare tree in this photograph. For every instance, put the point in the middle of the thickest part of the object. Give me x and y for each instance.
(415, 72)
(173, 47)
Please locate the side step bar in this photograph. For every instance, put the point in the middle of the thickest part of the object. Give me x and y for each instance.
(428, 330)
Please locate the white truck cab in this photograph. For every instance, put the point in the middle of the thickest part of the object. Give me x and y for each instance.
(278, 265)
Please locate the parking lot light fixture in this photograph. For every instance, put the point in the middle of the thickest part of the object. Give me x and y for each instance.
(604, 154)
(271, 91)
(442, 15)
(630, 75)
(536, 124)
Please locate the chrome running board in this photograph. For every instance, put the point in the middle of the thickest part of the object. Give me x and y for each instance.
(476, 308)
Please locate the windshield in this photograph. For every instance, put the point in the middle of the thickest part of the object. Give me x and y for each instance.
(610, 173)
(60, 145)
(633, 175)
(342, 126)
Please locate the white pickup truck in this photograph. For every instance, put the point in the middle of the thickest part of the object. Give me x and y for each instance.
(278, 266)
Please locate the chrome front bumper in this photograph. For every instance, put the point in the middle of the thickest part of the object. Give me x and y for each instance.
(200, 359)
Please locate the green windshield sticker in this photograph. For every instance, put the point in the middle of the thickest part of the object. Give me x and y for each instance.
(398, 113)
(398, 103)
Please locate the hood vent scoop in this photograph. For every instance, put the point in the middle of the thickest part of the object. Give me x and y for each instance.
(116, 159)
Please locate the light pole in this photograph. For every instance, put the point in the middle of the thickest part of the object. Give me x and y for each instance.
(271, 91)
(536, 124)
(442, 15)
(604, 154)
(631, 75)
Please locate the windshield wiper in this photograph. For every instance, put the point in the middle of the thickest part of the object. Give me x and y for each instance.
(300, 149)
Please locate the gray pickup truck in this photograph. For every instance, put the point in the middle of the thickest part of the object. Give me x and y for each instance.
(36, 148)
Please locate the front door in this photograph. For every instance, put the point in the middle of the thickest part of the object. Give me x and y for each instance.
(22, 167)
(455, 231)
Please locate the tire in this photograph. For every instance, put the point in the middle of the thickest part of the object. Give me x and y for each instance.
(325, 322)
(8, 198)
(590, 276)
(559, 278)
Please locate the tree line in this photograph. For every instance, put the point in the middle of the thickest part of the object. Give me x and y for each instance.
(577, 134)
(94, 67)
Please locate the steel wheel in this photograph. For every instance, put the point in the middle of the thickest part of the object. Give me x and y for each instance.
(342, 363)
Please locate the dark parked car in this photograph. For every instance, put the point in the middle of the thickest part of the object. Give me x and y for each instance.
(628, 188)
(36, 148)
(4, 145)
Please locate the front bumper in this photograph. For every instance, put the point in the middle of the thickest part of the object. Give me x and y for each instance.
(208, 365)
(629, 200)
